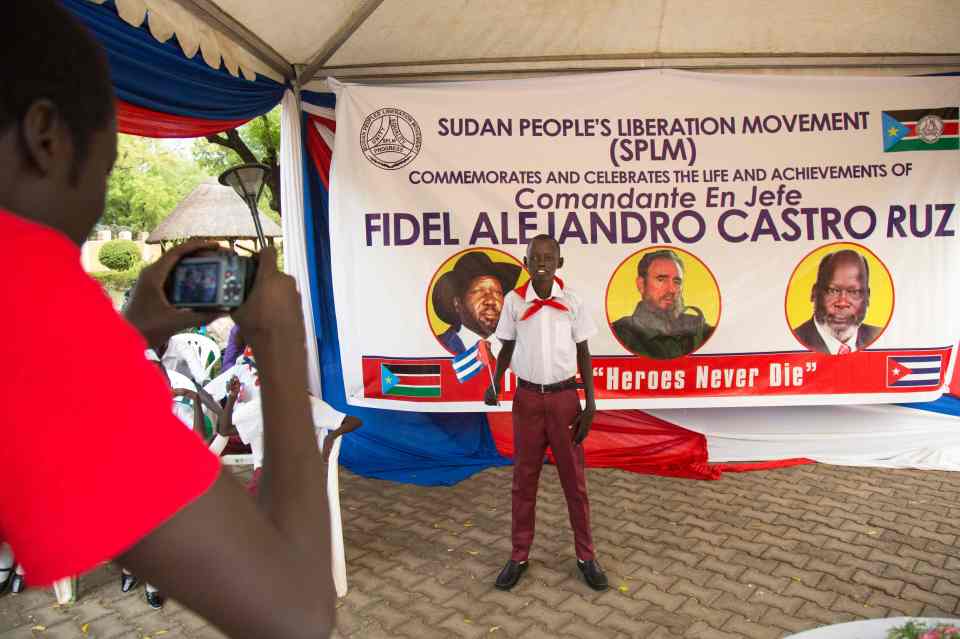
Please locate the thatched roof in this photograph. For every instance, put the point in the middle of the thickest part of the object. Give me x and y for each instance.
(211, 211)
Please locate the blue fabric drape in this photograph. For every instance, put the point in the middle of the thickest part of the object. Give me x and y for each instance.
(158, 76)
(946, 405)
(431, 449)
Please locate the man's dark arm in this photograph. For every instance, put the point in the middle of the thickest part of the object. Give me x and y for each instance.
(581, 425)
(503, 362)
(216, 554)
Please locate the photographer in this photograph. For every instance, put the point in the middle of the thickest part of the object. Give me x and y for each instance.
(198, 537)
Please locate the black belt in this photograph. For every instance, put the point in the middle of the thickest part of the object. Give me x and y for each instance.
(566, 384)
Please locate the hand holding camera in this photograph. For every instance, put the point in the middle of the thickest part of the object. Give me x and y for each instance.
(272, 309)
(199, 281)
(148, 308)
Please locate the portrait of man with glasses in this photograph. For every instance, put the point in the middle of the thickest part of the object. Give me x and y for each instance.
(841, 297)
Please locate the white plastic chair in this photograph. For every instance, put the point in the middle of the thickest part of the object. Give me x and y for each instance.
(198, 352)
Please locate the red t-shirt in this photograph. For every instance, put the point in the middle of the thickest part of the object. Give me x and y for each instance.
(93, 459)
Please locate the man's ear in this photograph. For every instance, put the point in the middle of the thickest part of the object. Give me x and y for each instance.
(456, 304)
(560, 264)
(44, 137)
(525, 263)
(640, 285)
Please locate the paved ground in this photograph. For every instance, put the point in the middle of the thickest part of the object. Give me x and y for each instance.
(755, 555)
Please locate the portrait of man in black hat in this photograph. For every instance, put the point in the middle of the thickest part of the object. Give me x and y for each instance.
(470, 297)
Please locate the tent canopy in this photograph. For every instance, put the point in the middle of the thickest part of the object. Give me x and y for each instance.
(425, 39)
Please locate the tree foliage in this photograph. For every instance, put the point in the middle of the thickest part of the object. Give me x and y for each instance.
(256, 141)
(149, 179)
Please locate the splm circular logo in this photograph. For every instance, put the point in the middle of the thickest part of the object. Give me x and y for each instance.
(930, 128)
(390, 138)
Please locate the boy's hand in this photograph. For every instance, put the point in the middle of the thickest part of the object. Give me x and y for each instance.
(490, 397)
(580, 427)
(233, 386)
(148, 309)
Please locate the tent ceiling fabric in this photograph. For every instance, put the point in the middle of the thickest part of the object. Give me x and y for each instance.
(424, 38)
(506, 29)
(295, 28)
(407, 39)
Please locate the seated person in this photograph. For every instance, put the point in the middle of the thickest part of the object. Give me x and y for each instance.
(233, 349)
(246, 418)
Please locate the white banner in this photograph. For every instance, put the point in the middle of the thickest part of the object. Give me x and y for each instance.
(738, 240)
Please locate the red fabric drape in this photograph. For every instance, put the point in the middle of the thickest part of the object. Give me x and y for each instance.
(955, 380)
(639, 442)
(320, 153)
(136, 120)
(631, 440)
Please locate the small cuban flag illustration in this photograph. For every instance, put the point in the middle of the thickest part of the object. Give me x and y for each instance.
(472, 361)
(405, 379)
(914, 371)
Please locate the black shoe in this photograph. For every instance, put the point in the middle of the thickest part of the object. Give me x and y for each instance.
(155, 599)
(593, 574)
(16, 584)
(510, 575)
(7, 574)
(127, 582)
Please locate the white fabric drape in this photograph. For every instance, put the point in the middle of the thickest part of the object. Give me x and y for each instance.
(294, 229)
(879, 435)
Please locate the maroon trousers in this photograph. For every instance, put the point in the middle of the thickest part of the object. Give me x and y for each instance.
(540, 420)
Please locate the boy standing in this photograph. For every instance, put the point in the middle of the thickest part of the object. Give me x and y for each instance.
(544, 330)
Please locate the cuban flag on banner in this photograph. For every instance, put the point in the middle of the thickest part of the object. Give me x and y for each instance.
(914, 370)
(472, 361)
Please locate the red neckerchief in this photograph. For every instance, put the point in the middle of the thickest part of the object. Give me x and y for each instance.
(539, 303)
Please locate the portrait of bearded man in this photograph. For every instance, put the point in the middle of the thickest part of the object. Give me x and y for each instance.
(662, 326)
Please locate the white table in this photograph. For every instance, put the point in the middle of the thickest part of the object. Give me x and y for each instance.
(867, 629)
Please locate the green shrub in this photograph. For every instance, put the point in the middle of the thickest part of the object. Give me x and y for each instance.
(117, 280)
(119, 255)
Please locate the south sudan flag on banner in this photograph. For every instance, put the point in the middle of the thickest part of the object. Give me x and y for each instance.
(921, 130)
(410, 380)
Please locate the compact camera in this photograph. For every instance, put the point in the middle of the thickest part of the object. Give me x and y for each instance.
(211, 282)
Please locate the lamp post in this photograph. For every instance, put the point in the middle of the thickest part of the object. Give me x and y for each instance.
(247, 180)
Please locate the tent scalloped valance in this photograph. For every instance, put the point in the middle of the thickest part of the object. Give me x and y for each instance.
(165, 19)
